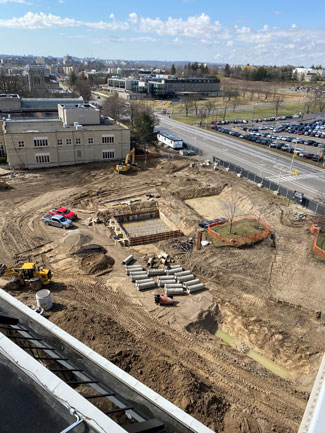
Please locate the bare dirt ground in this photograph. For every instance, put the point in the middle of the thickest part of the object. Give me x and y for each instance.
(269, 297)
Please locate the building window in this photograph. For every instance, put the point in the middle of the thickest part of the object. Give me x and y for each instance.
(78, 141)
(78, 153)
(21, 143)
(108, 154)
(42, 158)
(59, 141)
(107, 139)
(41, 142)
(68, 141)
(90, 140)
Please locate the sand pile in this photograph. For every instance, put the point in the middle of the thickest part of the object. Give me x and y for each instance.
(74, 240)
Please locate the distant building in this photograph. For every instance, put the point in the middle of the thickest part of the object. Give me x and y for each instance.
(307, 74)
(79, 135)
(160, 86)
(40, 80)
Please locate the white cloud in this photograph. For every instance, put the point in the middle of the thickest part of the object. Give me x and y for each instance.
(15, 1)
(196, 34)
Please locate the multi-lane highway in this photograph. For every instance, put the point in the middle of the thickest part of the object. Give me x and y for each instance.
(270, 165)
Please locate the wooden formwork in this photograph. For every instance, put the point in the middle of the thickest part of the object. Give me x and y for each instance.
(148, 239)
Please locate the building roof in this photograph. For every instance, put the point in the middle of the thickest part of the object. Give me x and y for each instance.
(19, 126)
(47, 103)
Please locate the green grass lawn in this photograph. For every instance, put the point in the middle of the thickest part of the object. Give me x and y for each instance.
(239, 228)
(245, 114)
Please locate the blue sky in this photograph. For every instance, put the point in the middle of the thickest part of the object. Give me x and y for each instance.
(232, 31)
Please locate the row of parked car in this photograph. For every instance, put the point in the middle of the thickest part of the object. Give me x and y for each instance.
(60, 217)
(266, 119)
(268, 141)
(290, 139)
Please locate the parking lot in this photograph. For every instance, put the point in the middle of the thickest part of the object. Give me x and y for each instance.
(305, 139)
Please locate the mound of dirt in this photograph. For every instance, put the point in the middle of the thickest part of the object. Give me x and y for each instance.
(94, 263)
(74, 240)
(90, 249)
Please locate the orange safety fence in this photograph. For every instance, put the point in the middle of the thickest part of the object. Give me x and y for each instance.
(243, 239)
(317, 250)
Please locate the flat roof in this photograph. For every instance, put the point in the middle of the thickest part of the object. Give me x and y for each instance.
(18, 126)
(170, 136)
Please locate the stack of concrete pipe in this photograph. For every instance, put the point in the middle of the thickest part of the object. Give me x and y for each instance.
(187, 284)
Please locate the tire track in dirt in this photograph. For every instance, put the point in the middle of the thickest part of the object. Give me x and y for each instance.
(244, 390)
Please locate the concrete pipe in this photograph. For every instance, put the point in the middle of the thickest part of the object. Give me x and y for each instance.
(173, 286)
(138, 273)
(128, 260)
(195, 288)
(132, 267)
(173, 271)
(138, 277)
(185, 278)
(182, 273)
(134, 271)
(146, 280)
(173, 267)
(163, 283)
(174, 292)
(145, 286)
(191, 283)
(157, 272)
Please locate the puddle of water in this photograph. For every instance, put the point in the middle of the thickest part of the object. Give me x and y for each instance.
(262, 360)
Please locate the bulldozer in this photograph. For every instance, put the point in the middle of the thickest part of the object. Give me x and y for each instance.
(28, 275)
(125, 166)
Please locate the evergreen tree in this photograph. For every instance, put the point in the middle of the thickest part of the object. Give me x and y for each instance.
(144, 128)
(226, 71)
(173, 70)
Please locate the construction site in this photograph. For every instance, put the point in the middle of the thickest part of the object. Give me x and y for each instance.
(241, 354)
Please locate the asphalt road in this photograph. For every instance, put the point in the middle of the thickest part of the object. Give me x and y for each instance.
(280, 169)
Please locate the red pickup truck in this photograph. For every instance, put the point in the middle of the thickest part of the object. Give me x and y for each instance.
(64, 212)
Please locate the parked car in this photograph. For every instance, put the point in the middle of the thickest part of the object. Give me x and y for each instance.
(57, 221)
(64, 212)
(216, 222)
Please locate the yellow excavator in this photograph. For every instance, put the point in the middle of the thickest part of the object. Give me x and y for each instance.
(124, 167)
(29, 275)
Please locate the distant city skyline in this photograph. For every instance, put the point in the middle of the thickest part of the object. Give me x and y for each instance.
(232, 32)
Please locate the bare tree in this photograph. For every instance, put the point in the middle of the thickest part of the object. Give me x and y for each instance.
(321, 104)
(229, 210)
(113, 107)
(308, 104)
(210, 107)
(11, 83)
(202, 111)
(277, 103)
(187, 103)
(234, 104)
(225, 108)
(83, 88)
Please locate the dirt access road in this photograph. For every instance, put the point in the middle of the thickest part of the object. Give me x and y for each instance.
(268, 297)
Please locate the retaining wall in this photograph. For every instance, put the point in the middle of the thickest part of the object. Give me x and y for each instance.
(244, 239)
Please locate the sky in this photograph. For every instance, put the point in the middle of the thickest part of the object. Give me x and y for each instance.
(232, 31)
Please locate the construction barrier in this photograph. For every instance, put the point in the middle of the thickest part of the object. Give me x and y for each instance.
(317, 250)
(243, 239)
